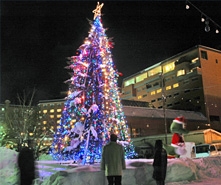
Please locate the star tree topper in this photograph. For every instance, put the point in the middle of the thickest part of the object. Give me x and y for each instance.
(97, 11)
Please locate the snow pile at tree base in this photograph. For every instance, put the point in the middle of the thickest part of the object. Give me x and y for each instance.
(139, 172)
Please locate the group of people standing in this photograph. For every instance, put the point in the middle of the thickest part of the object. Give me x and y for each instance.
(113, 157)
(113, 162)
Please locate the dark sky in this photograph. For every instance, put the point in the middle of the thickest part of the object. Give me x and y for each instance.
(37, 36)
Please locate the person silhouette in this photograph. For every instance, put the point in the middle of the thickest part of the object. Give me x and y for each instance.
(26, 164)
(159, 163)
(113, 161)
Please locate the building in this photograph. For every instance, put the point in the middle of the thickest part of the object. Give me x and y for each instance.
(144, 121)
(141, 119)
(190, 80)
(19, 123)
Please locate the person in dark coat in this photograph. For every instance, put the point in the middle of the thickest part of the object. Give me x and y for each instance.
(26, 164)
(113, 161)
(159, 163)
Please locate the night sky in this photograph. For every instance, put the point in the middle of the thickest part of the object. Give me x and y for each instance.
(38, 36)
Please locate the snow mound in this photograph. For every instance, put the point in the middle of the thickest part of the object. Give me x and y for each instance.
(209, 167)
(139, 172)
(8, 166)
(199, 171)
(181, 169)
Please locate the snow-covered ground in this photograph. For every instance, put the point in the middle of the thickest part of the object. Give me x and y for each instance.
(202, 171)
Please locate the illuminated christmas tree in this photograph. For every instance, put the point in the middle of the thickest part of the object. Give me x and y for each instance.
(93, 109)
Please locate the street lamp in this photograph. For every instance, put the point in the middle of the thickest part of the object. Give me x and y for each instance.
(164, 104)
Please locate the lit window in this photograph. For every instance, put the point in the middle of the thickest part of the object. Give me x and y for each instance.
(169, 67)
(139, 97)
(159, 90)
(168, 87)
(152, 92)
(155, 71)
(45, 111)
(58, 121)
(51, 116)
(58, 110)
(181, 72)
(175, 85)
(44, 122)
(195, 60)
(59, 115)
(129, 82)
(136, 132)
(52, 110)
(141, 77)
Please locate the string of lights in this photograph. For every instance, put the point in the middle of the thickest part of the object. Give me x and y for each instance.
(204, 18)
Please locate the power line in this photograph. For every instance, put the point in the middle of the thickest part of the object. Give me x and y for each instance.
(204, 18)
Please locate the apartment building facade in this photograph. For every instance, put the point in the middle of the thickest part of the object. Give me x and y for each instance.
(190, 80)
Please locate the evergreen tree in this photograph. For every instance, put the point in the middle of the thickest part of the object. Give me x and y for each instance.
(93, 109)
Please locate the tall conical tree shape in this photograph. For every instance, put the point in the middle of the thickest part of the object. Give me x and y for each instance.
(93, 108)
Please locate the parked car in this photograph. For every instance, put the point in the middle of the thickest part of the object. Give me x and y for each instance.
(202, 150)
(145, 152)
(206, 150)
(215, 149)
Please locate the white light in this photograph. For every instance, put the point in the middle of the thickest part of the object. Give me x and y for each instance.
(217, 31)
(202, 19)
(187, 7)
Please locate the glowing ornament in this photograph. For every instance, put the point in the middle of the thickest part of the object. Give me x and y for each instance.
(74, 94)
(97, 11)
(78, 52)
(78, 128)
(94, 108)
